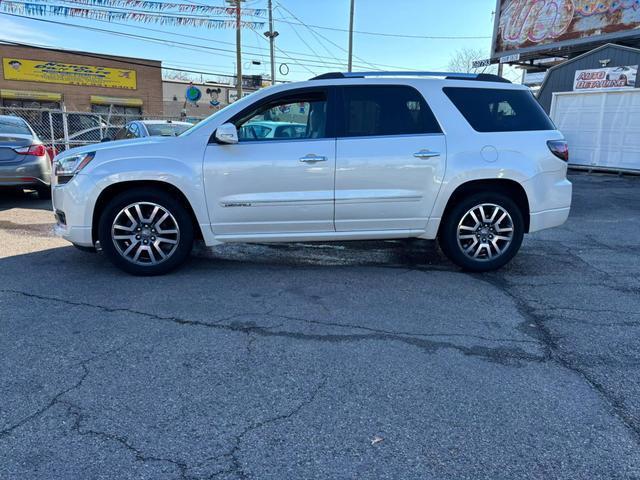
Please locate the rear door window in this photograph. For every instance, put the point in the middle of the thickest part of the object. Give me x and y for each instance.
(383, 110)
(499, 110)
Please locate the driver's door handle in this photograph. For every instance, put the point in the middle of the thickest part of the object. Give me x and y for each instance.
(311, 158)
(426, 154)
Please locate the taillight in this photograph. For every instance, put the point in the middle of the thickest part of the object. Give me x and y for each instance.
(35, 150)
(559, 148)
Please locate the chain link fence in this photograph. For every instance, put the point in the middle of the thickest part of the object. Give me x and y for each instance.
(60, 130)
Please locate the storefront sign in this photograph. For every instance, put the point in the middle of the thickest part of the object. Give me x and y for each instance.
(612, 78)
(68, 74)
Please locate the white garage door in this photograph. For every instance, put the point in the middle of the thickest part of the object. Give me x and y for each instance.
(602, 128)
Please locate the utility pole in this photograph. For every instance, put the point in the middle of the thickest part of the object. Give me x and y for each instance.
(271, 35)
(238, 49)
(349, 66)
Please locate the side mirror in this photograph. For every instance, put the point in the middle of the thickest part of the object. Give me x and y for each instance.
(105, 139)
(227, 133)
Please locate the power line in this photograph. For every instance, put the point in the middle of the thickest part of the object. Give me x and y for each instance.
(394, 35)
(362, 32)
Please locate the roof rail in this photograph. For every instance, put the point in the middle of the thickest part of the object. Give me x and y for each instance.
(482, 77)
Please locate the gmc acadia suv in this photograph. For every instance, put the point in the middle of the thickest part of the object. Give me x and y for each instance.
(471, 160)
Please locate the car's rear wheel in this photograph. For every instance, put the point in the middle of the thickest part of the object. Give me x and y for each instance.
(482, 232)
(44, 192)
(146, 232)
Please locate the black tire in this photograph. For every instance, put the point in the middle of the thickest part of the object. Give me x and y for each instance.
(158, 197)
(44, 192)
(451, 246)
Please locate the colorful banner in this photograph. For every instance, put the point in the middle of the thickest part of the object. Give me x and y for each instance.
(69, 74)
(45, 10)
(538, 25)
(612, 78)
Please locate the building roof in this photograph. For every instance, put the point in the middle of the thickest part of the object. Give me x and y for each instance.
(81, 53)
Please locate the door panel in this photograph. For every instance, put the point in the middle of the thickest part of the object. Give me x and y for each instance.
(265, 187)
(390, 158)
(387, 183)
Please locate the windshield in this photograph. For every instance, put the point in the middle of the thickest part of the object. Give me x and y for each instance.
(14, 126)
(166, 129)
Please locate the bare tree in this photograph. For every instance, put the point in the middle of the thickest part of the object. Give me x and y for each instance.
(462, 61)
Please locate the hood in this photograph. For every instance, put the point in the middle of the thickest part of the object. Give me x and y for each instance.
(115, 145)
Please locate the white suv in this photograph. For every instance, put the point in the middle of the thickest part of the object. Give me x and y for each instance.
(469, 159)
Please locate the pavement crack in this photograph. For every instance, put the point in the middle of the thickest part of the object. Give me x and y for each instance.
(554, 353)
(53, 401)
(237, 467)
(500, 354)
(76, 412)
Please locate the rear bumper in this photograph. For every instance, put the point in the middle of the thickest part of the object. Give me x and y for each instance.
(31, 172)
(548, 219)
(549, 196)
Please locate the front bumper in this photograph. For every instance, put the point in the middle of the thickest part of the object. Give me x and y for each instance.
(73, 203)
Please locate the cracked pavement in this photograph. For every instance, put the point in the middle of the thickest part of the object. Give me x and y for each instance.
(285, 361)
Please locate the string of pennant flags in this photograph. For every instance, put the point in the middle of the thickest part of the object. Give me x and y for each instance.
(163, 6)
(41, 9)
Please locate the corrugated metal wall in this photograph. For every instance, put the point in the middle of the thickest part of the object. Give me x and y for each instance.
(561, 78)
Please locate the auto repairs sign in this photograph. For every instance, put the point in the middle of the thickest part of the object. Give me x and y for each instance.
(66, 73)
(612, 78)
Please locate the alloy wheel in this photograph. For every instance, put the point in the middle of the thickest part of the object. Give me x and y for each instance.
(485, 232)
(145, 233)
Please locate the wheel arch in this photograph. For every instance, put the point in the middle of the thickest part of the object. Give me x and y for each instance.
(114, 189)
(511, 188)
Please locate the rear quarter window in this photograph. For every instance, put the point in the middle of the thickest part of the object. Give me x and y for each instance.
(499, 110)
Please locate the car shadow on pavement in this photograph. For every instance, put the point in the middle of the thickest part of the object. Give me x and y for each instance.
(27, 199)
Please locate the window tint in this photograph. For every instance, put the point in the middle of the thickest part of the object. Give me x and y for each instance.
(386, 110)
(291, 117)
(498, 110)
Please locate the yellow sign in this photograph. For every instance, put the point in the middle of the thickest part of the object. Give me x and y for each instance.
(27, 95)
(67, 73)
(126, 102)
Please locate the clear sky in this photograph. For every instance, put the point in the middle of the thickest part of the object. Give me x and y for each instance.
(309, 52)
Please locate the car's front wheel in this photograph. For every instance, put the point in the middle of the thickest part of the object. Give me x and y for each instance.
(146, 232)
(482, 232)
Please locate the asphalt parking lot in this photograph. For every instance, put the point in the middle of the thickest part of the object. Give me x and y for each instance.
(366, 360)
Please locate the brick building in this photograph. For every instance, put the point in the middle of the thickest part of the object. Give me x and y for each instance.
(33, 77)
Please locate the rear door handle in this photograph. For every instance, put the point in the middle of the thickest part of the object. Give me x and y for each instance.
(311, 158)
(426, 154)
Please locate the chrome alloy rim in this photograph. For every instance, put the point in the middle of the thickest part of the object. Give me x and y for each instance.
(485, 232)
(145, 233)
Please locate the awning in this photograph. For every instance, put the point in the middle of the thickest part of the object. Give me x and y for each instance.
(125, 102)
(29, 95)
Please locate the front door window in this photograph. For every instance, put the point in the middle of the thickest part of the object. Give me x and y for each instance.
(290, 118)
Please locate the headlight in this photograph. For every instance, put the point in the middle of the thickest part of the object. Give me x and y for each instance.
(69, 166)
